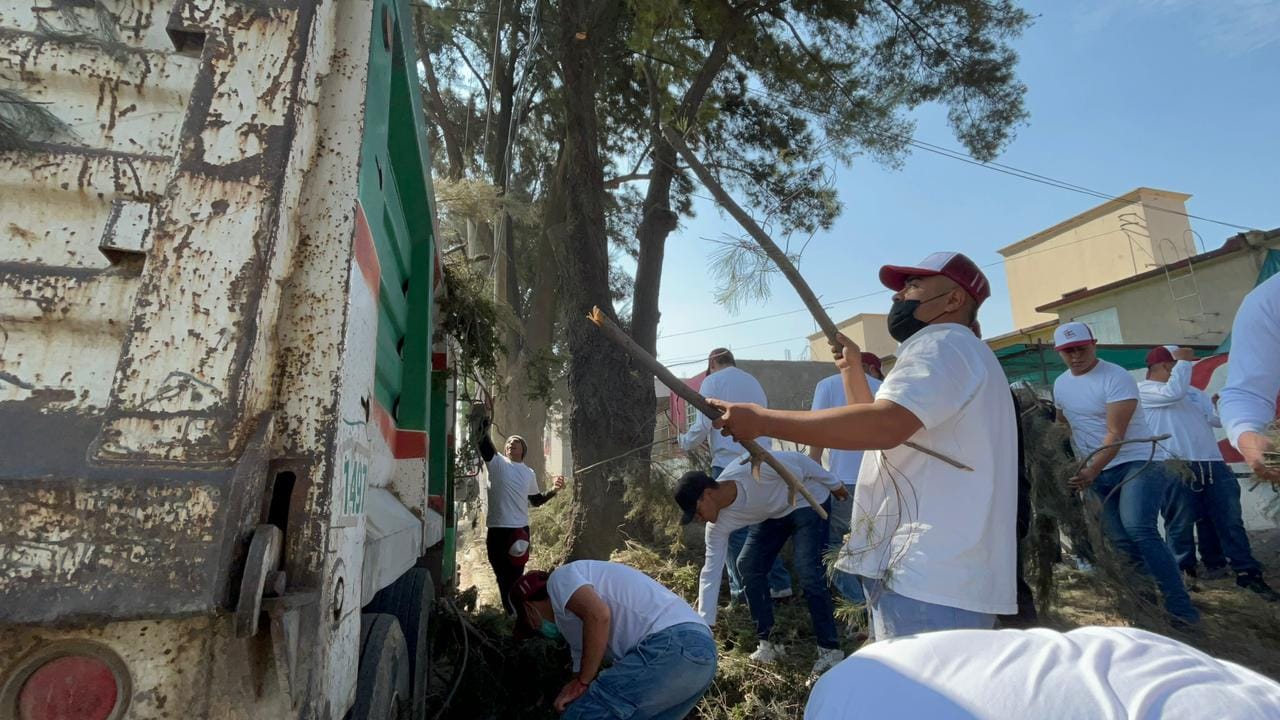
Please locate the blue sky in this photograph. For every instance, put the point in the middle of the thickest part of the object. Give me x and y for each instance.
(1173, 94)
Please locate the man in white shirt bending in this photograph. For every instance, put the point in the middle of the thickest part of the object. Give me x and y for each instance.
(737, 501)
(935, 543)
(1176, 408)
(1091, 672)
(726, 380)
(1099, 401)
(663, 656)
(1248, 402)
(844, 464)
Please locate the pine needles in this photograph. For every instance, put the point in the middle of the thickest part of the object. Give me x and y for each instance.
(24, 122)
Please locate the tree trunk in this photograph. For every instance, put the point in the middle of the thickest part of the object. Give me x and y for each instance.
(611, 408)
(658, 220)
(515, 409)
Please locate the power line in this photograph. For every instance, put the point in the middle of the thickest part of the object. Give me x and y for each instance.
(833, 303)
(829, 305)
(703, 358)
(998, 167)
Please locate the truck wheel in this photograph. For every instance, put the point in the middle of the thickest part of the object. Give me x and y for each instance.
(383, 690)
(410, 599)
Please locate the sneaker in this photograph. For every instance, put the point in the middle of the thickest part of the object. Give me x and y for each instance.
(827, 659)
(782, 594)
(1253, 582)
(1218, 573)
(767, 652)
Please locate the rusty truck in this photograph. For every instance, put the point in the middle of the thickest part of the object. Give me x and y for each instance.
(226, 408)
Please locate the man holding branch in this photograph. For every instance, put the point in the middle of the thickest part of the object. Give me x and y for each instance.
(935, 543)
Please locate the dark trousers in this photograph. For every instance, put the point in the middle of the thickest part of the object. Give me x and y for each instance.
(1213, 497)
(808, 533)
(506, 569)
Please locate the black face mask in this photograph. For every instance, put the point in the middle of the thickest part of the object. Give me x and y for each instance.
(903, 322)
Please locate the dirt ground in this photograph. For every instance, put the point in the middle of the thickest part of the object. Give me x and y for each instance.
(1238, 626)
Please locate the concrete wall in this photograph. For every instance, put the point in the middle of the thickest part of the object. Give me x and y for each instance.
(1147, 313)
(869, 330)
(1107, 243)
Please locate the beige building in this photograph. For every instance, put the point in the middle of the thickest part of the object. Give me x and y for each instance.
(869, 330)
(1189, 302)
(1131, 235)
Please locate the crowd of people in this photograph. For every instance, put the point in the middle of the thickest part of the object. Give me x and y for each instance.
(921, 502)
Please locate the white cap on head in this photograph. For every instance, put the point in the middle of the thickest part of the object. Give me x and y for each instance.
(1072, 334)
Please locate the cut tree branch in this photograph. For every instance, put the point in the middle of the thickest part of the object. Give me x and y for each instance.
(614, 183)
(691, 396)
(779, 258)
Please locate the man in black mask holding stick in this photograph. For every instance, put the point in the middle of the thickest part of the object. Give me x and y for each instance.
(933, 540)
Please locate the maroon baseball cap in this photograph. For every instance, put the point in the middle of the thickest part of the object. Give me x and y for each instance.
(956, 266)
(871, 359)
(531, 583)
(1159, 354)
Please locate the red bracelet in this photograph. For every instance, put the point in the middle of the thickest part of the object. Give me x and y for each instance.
(580, 682)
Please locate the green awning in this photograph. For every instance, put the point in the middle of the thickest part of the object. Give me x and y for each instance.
(1270, 266)
(1039, 364)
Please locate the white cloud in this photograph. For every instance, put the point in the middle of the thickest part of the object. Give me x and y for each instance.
(1234, 26)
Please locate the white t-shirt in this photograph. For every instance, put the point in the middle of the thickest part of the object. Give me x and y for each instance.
(638, 605)
(731, 385)
(510, 485)
(1178, 409)
(828, 394)
(1089, 673)
(1083, 400)
(757, 501)
(933, 532)
(1248, 402)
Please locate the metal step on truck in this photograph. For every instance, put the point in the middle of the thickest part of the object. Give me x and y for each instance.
(226, 412)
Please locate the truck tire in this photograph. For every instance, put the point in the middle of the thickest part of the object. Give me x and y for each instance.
(382, 686)
(410, 599)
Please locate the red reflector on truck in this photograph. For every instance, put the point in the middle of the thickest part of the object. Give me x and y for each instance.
(73, 687)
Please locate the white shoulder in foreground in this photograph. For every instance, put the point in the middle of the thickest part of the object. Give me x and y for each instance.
(1091, 672)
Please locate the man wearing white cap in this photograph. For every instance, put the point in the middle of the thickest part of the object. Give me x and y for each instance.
(1176, 408)
(1248, 402)
(1099, 401)
(935, 543)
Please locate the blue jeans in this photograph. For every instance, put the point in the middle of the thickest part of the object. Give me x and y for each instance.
(779, 578)
(662, 678)
(1133, 497)
(1208, 544)
(894, 615)
(808, 533)
(847, 584)
(1213, 495)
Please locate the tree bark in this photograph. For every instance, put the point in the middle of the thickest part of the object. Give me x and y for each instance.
(611, 406)
(437, 112)
(657, 219)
